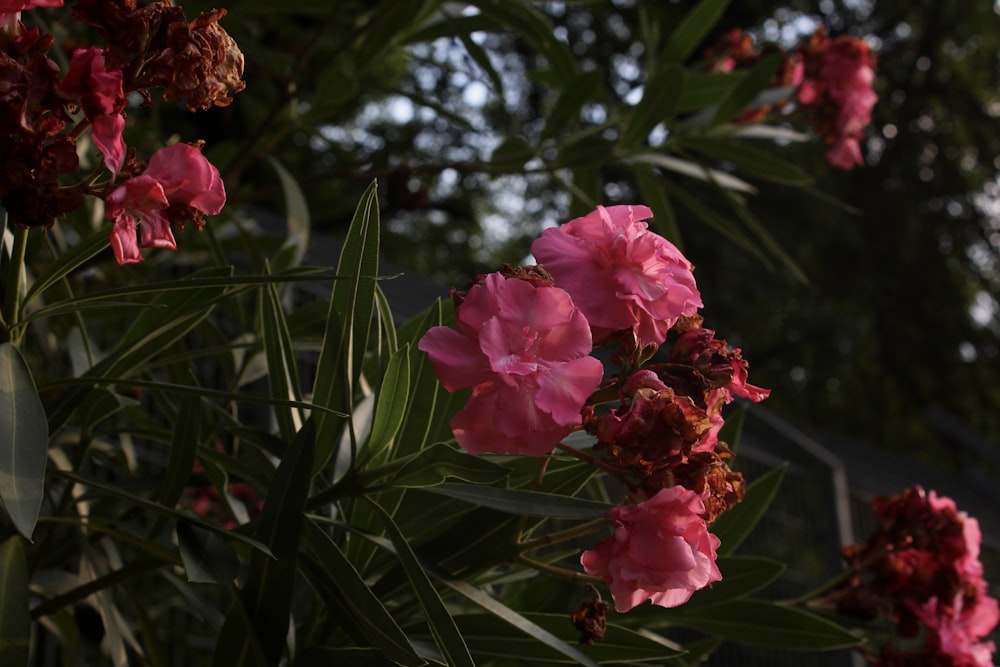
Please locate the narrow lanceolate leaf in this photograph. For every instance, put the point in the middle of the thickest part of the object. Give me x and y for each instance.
(740, 97)
(524, 503)
(741, 576)
(655, 196)
(659, 101)
(770, 624)
(348, 322)
(433, 465)
(15, 622)
(693, 28)
(390, 409)
(183, 450)
(347, 595)
(282, 370)
(296, 220)
(446, 634)
(733, 526)
(206, 556)
(66, 263)
(24, 441)
(271, 581)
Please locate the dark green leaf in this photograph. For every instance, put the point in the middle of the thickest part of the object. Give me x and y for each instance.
(316, 656)
(15, 622)
(732, 429)
(271, 581)
(24, 442)
(390, 408)
(654, 196)
(237, 645)
(660, 97)
(66, 263)
(343, 590)
(759, 162)
(705, 90)
(760, 623)
(206, 557)
(523, 503)
(511, 154)
(345, 338)
(282, 369)
(741, 576)
(183, 451)
(756, 79)
(584, 88)
(534, 27)
(296, 216)
(433, 465)
(693, 28)
(733, 526)
(446, 635)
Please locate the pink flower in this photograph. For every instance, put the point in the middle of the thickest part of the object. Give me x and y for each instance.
(99, 94)
(661, 551)
(178, 177)
(620, 274)
(524, 352)
(955, 630)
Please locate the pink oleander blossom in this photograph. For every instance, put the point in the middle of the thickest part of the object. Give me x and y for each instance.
(661, 551)
(524, 351)
(178, 177)
(98, 92)
(620, 274)
(955, 631)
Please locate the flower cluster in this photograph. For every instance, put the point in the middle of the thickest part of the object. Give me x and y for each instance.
(838, 88)
(832, 79)
(921, 569)
(522, 341)
(45, 113)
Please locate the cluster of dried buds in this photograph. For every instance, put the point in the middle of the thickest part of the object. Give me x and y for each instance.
(45, 112)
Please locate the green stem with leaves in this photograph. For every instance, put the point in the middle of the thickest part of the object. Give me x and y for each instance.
(15, 276)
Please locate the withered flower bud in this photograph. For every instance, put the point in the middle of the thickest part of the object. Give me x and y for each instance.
(205, 62)
(591, 619)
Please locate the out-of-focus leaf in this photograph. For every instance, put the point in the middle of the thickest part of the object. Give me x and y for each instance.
(759, 162)
(534, 27)
(760, 623)
(446, 635)
(757, 78)
(734, 525)
(271, 581)
(355, 656)
(15, 622)
(705, 90)
(694, 170)
(434, 464)
(660, 97)
(345, 337)
(237, 645)
(654, 195)
(697, 652)
(511, 154)
(206, 557)
(183, 451)
(523, 503)
(490, 639)
(24, 442)
(693, 28)
(582, 89)
(732, 429)
(479, 55)
(585, 148)
(391, 406)
(342, 589)
(772, 132)
(296, 219)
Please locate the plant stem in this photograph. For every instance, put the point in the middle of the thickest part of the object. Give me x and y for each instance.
(563, 535)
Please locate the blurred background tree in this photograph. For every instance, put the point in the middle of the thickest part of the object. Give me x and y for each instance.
(486, 121)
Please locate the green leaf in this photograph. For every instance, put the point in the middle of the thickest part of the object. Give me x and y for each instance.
(390, 409)
(653, 194)
(702, 91)
(282, 368)
(296, 218)
(490, 639)
(328, 656)
(237, 645)
(24, 442)
(734, 525)
(446, 635)
(15, 621)
(433, 465)
(692, 169)
(523, 503)
(741, 576)
(756, 79)
(757, 161)
(511, 154)
(565, 112)
(661, 94)
(206, 557)
(732, 430)
(536, 29)
(698, 652)
(69, 261)
(519, 621)
(348, 322)
(271, 581)
(183, 451)
(770, 624)
(345, 592)
(693, 28)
